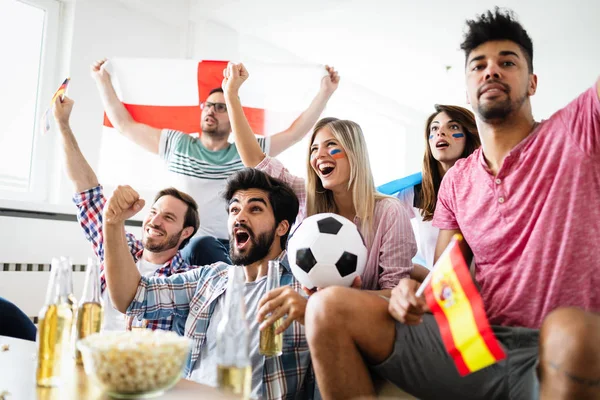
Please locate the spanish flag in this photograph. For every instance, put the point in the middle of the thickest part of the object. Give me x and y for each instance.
(458, 310)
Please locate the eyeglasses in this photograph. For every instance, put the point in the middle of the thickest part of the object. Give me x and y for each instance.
(219, 107)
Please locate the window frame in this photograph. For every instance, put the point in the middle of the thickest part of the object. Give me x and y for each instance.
(41, 165)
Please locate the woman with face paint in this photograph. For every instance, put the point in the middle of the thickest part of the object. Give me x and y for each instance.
(450, 134)
(339, 180)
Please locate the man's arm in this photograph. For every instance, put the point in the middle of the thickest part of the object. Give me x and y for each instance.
(444, 238)
(78, 170)
(303, 124)
(143, 135)
(122, 276)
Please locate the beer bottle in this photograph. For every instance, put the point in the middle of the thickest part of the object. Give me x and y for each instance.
(54, 329)
(270, 344)
(89, 312)
(234, 370)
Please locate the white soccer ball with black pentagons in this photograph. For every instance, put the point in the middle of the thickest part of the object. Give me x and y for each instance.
(326, 250)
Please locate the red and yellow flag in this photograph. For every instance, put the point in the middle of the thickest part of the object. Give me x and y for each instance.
(60, 91)
(458, 309)
(45, 123)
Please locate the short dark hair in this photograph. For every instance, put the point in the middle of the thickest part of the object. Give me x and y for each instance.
(497, 25)
(191, 215)
(215, 90)
(281, 196)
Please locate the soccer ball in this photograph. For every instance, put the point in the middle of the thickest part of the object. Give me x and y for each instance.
(326, 250)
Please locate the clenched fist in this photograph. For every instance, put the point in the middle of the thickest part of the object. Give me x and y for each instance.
(122, 205)
(404, 305)
(330, 82)
(233, 77)
(98, 72)
(61, 109)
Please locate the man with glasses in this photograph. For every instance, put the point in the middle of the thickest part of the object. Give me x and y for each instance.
(202, 165)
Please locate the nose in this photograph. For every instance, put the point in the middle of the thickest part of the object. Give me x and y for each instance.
(155, 219)
(321, 152)
(492, 71)
(441, 132)
(241, 217)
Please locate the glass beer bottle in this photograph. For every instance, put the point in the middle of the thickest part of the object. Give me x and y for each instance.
(234, 370)
(89, 312)
(54, 329)
(270, 344)
(71, 300)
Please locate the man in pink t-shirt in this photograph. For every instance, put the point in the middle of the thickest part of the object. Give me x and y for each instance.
(528, 205)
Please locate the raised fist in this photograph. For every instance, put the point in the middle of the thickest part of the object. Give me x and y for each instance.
(233, 77)
(330, 82)
(61, 109)
(99, 72)
(122, 205)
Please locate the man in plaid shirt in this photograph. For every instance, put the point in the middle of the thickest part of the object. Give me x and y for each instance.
(261, 210)
(172, 220)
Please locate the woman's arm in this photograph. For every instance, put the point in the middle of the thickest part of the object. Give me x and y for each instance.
(245, 140)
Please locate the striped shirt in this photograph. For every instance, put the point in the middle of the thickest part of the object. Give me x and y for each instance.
(90, 204)
(202, 174)
(193, 296)
(392, 239)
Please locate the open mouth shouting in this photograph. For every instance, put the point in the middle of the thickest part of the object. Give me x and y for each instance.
(326, 168)
(442, 144)
(241, 236)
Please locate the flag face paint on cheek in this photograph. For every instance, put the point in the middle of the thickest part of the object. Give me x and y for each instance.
(458, 135)
(336, 154)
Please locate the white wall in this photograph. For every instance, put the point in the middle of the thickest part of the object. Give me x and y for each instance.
(91, 29)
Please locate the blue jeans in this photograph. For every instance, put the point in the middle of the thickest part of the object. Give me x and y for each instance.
(206, 250)
(14, 322)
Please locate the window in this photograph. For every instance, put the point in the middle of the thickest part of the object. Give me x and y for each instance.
(29, 29)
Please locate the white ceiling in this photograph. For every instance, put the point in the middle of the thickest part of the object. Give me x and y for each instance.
(401, 49)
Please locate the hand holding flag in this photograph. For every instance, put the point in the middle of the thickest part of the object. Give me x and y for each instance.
(61, 109)
(59, 94)
(458, 310)
(405, 305)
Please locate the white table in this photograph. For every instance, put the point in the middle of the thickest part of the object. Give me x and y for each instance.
(17, 377)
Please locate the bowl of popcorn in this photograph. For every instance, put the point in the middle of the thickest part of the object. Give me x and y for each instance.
(134, 364)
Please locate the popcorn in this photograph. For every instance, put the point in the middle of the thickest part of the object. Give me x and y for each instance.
(4, 347)
(134, 362)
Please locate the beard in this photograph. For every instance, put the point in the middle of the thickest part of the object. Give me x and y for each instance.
(215, 131)
(499, 110)
(259, 247)
(167, 243)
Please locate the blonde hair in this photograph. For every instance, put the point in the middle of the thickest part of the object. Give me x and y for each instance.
(361, 184)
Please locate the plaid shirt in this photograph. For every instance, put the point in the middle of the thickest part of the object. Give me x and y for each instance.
(193, 296)
(90, 204)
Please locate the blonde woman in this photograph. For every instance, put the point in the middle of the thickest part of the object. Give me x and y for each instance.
(339, 181)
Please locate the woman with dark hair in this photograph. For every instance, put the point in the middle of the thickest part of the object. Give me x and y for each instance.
(450, 134)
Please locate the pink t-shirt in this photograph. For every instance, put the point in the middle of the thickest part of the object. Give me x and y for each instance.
(535, 227)
(393, 242)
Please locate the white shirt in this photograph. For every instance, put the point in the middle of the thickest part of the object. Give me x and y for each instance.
(425, 233)
(205, 370)
(114, 320)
